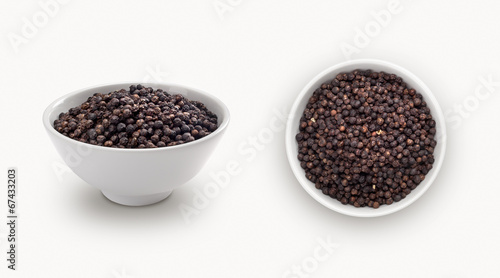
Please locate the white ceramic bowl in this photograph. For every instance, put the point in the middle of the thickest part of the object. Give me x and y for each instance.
(329, 74)
(135, 177)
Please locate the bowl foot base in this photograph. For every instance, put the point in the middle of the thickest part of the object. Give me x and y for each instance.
(136, 201)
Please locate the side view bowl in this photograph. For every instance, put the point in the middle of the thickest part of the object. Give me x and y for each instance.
(299, 105)
(135, 177)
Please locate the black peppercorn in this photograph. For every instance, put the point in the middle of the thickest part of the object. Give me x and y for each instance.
(366, 139)
(138, 118)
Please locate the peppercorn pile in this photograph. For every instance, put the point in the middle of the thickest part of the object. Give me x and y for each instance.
(138, 118)
(366, 139)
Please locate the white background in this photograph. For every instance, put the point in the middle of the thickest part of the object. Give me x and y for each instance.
(256, 57)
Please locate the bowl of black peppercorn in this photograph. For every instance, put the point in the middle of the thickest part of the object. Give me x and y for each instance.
(136, 142)
(366, 138)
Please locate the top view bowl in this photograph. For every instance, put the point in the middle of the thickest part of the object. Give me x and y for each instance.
(327, 75)
(135, 177)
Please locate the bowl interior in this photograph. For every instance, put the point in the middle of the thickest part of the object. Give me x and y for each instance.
(64, 103)
(329, 74)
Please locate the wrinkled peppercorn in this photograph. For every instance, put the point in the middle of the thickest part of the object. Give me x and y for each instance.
(140, 117)
(366, 139)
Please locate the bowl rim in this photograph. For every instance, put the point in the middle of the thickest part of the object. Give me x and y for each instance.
(50, 109)
(291, 146)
